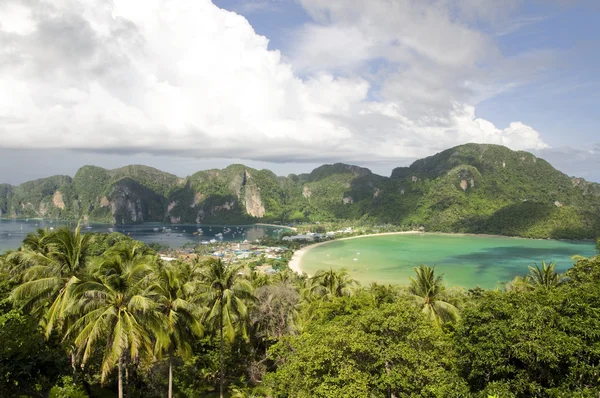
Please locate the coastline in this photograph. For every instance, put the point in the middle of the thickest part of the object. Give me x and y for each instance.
(276, 226)
(296, 260)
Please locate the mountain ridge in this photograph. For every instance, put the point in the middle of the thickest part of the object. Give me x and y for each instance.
(476, 188)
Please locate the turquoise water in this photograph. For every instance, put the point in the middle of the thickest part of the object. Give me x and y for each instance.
(466, 261)
(12, 232)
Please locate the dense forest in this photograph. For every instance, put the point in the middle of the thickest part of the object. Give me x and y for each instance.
(100, 315)
(473, 188)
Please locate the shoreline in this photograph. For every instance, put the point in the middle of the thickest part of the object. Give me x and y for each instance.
(276, 226)
(296, 259)
(294, 263)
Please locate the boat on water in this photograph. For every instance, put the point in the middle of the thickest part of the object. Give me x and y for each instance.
(155, 229)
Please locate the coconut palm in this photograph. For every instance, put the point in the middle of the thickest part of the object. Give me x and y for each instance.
(54, 262)
(330, 284)
(382, 294)
(172, 287)
(544, 276)
(38, 241)
(115, 307)
(428, 291)
(226, 293)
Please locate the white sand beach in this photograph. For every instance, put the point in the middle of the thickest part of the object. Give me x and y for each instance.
(276, 226)
(296, 260)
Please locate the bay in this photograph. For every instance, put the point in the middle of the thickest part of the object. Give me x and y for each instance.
(12, 232)
(464, 260)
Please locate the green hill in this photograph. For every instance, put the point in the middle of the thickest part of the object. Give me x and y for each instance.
(472, 188)
(491, 189)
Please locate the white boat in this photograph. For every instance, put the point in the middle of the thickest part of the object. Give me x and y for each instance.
(155, 229)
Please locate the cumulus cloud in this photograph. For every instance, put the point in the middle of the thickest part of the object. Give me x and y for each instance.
(186, 77)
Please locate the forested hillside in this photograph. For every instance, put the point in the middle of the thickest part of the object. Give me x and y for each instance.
(471, 188)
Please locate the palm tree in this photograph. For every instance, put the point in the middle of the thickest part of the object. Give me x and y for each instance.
(427, 290)
(38, 241)
(330, 284)
(173, 287)
(54, 262)
(382, 294)
(226, 293)
(115, 305)
(544, 277)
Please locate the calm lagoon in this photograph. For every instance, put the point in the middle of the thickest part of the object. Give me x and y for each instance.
(464, 260)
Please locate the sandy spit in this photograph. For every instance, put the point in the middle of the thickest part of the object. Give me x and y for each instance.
(276, 226)
(296, 260)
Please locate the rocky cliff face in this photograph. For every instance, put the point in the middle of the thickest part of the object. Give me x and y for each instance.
(125, 208)
(131, 203)
(254, 205)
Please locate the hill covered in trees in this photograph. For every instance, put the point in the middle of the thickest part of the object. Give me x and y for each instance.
(473, 188)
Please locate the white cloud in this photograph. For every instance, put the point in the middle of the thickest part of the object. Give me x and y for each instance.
(183, 76)
(16, 18)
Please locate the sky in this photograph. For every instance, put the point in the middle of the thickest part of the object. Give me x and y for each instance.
(188, 85)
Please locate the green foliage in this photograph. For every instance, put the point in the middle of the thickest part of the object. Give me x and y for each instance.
(584, 270)
(28, 363)
(537, 343)
(428, 292)
(67, 389)
(107, 301)
(5, 193)
(373, 352)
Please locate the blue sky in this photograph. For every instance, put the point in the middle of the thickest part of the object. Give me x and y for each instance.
(562, 101)
(184, 85)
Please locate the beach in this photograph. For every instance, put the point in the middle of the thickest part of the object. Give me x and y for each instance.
(276, 226)
(296, 260)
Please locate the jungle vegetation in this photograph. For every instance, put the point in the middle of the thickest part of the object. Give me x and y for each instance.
(100, 315)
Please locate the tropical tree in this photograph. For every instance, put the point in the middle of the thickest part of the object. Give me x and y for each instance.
(330, 284)
(428, 291)
(544, 276)
(54, 262)
(172, 287)
(115, 307)
(274, 314)
(38, 241)
(382, 294)
(226, 293)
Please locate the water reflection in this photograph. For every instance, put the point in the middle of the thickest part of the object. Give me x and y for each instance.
(12, 232)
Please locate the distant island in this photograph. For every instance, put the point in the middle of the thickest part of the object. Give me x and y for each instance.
(472, 188)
